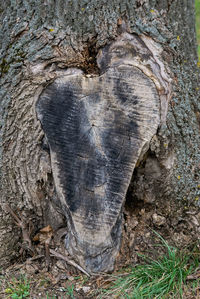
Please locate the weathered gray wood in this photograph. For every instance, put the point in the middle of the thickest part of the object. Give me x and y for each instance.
(41, 38)
(97, 128)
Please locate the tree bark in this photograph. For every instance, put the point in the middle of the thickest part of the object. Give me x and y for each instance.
(40, 42)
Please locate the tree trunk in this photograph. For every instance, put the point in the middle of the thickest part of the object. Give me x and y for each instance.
(133, 67)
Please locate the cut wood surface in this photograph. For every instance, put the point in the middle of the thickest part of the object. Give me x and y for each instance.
(68, 41)
(97, 128)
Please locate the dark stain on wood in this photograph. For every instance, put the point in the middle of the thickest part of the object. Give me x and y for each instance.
(97, 128)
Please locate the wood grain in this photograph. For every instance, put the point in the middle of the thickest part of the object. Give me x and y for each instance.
(97, 128)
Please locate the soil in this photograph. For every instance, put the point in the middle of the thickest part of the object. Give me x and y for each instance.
(52, 277)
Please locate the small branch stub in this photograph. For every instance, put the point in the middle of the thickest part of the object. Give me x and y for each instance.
(97, 128)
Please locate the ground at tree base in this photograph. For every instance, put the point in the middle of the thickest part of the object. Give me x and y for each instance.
(48, 277)
(32, 280)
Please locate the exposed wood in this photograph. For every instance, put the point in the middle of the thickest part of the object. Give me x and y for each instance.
(39, 41)
(98, 127)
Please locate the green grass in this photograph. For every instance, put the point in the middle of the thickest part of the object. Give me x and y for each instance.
(70, 292)
(197, 6)
(18, 288)
(161, 278)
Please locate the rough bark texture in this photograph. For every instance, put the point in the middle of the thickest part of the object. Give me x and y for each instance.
(41, 40)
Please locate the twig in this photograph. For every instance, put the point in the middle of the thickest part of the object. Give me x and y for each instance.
(193, 276)
(70, 262)
(47, 252)
(21, 223)
(34, 258)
